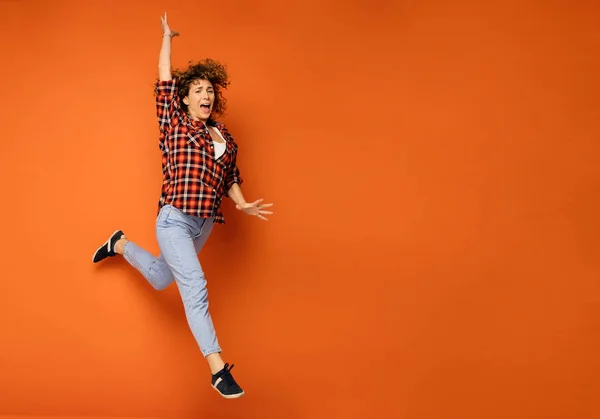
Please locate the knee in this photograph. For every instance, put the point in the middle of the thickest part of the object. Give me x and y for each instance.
(160, 286)
(160, 280)
(196, 293)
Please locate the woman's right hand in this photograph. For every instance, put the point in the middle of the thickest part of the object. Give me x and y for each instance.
(166, 29)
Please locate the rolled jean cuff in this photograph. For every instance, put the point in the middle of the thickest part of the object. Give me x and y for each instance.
(129, 257)
(211, 351)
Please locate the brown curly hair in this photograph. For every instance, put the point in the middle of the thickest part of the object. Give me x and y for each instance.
(207, 69)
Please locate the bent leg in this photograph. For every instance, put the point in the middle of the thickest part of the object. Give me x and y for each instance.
(155, 269)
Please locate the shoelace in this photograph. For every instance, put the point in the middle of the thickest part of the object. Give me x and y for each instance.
(226, 374)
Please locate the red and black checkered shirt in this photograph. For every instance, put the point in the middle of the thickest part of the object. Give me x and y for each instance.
(193, 180)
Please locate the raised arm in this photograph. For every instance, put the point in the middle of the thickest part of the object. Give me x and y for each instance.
(164, 58)
(166, 87)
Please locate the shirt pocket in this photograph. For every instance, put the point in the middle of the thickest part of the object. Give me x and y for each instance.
(196, 140)
(197, 146)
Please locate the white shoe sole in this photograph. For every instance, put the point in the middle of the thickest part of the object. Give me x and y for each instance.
(233, 396)
(107, 242)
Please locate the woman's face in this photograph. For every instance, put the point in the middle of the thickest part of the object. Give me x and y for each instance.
(200, 99)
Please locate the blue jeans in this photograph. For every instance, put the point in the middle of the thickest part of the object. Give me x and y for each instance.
(180, 239)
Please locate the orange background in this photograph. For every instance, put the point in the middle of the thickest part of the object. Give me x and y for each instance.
(435, 174)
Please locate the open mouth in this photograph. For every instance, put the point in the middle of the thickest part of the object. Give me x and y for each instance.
(205, 107)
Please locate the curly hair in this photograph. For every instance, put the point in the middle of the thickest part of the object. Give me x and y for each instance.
(207, 69)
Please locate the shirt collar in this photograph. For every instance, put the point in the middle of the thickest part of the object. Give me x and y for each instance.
(196, 125)
(200, 126)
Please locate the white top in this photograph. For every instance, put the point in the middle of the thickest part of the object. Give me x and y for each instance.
(219, 147)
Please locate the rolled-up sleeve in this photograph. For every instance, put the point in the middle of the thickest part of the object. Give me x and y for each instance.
(167, 103)
(233, 175)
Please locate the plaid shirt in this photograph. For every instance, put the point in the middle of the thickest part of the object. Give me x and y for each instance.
(193, 181)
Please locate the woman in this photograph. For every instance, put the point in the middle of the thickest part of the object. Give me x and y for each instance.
(199, 168)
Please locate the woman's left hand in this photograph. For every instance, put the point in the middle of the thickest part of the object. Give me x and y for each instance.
(255, 208)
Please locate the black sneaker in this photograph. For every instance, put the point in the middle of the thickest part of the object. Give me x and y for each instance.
(108, 248)
(224, 383)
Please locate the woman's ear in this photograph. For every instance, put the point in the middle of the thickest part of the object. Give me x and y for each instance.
(186, 101)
